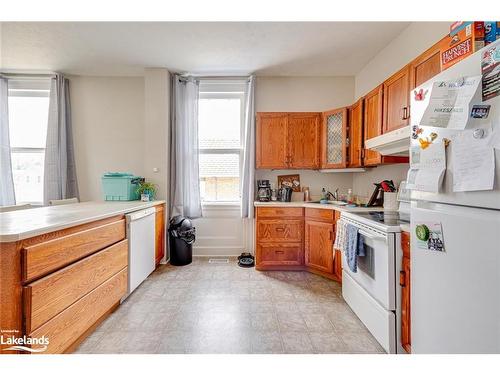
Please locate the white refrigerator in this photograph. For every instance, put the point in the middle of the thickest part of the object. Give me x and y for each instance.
(455, 293)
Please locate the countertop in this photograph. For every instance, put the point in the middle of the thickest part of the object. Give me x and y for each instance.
(318, 205)
(404, 227)
(18, 225)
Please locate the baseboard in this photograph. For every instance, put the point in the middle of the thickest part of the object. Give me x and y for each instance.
(217, 251)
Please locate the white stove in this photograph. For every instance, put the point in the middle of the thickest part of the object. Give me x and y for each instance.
(373, 292)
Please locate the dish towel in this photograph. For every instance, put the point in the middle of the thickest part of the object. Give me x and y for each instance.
(340, 236)
(354, 247)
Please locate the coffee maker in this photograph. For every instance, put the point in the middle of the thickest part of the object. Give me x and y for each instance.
(263, 190)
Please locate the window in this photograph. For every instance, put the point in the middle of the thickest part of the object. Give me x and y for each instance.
(28, 116)
(220, 118)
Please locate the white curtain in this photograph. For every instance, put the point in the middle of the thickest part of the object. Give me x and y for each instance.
(184, 167)
(7, 196)
(59, 180)
(248, 165)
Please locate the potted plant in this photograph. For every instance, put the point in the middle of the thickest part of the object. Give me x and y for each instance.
(147, 191)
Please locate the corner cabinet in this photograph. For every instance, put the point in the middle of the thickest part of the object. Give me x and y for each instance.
(334, 139)
(287, 140)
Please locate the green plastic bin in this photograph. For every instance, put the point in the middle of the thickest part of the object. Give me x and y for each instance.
(118, 186)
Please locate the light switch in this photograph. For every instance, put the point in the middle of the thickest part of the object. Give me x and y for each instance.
(155, 170)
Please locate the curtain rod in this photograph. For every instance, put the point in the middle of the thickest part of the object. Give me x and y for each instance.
(27, 75)
(214, 78)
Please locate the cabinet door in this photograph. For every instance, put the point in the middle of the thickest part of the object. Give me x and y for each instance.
(271, 140)
(303, 140)
(319, 245)
(356, 134)
(334, 139)
(396, 100)
(404, 281)
(279, 230)
(372, 123)
(425, 66)
(159, 233)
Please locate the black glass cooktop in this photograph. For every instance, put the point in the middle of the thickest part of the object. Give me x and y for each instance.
(387, 218)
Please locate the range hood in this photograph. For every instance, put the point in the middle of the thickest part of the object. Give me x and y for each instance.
(396, 143)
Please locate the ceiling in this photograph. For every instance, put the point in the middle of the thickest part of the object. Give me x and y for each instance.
(126, 48)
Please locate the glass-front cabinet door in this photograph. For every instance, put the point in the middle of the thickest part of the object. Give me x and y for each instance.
(334, 139)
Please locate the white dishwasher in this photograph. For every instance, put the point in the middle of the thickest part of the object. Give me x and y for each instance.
(141, 242)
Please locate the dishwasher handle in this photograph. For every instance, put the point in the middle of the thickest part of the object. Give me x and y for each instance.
(137, 215)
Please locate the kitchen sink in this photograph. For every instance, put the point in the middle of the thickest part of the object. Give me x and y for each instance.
(335, 203)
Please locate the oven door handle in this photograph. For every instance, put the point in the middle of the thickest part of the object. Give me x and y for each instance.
(370, 236)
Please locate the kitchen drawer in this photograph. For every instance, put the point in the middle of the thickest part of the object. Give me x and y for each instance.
(45, 257)
(274, 230)
(280, 212)
(323, 214)
(45, 298)
(279, 254)
(66, 327)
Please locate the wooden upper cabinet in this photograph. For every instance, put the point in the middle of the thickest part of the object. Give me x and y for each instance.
(397, 100)
(425, 66)
(318, 247)
(372, 123)
(271, 142)
(334, 139)
(287, 140)
(303, 140)
(356, 134)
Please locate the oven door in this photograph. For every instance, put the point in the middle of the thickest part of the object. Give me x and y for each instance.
(375, 273)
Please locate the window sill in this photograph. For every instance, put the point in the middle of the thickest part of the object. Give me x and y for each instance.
(221, 205)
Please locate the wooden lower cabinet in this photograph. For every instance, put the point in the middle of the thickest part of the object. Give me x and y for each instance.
(272, 254)
(74, 321)
(47, 297)
(297, 239)
(61, 285)
(160, 233)
(318, 247)
(279, 238)
(404, 281)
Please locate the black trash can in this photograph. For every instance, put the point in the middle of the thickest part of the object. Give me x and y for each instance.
(181, 236)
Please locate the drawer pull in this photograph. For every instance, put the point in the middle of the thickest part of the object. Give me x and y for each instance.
(279, 252)
(280, 229)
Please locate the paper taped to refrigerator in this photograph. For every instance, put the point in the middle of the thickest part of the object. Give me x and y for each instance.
(450, 103)
(494, 140)
(427, 168)
(473, 160)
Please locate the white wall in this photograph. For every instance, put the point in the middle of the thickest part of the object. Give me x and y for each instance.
(108, 129)
(363, 182)
(303, 94)
(156, 128)
(414, 40)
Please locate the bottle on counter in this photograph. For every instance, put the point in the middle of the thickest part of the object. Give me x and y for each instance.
(349, 196)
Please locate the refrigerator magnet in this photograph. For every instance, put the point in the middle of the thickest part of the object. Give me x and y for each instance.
(429, 236)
